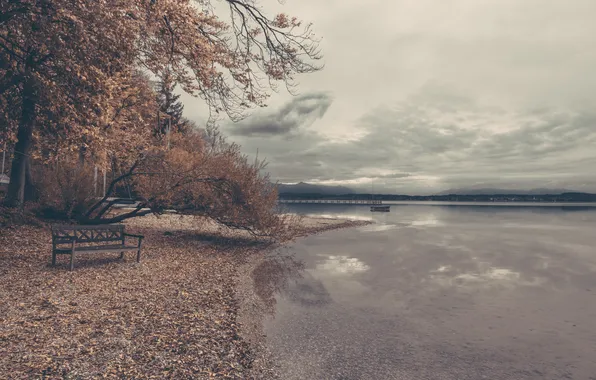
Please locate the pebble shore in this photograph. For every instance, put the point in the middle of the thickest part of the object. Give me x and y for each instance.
(188, 310)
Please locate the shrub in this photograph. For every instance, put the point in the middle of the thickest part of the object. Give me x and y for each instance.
(66, 188)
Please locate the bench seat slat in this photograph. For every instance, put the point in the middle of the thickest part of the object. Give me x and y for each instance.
(102, 248)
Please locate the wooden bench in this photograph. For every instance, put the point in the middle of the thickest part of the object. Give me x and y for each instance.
(71, 240)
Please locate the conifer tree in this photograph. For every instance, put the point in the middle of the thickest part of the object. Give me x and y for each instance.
(170, 105)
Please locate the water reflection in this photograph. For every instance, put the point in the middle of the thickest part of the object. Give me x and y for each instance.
(340, 216)
(445, 277)
(281, 274)
(446, 213)
(274, 275)
(381, 227)
(308, 291)
(342, 265)
(429, 220)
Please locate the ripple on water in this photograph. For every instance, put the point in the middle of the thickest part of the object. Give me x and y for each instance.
(503, 276)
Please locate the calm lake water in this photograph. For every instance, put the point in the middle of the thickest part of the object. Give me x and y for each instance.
(438, 292)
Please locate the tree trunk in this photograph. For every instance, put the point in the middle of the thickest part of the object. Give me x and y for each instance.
(82, 152)
(31, 193)
(15, 196)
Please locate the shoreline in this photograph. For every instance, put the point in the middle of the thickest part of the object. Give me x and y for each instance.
(253, 310)
(189, 309)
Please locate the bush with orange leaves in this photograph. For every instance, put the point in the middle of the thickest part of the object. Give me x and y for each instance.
(199, 174)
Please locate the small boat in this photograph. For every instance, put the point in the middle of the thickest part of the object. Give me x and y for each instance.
(376, 207)
(380, 208)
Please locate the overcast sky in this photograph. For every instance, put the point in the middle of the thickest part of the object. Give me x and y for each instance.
(419, 96)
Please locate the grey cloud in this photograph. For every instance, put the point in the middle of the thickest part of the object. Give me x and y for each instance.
(418, 147)
(555, 134)
(394, 175)
(296, 113)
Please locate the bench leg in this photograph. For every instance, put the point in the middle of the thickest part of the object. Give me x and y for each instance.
(53, 258)
(72, 255)
(139, 251)
(121, 255)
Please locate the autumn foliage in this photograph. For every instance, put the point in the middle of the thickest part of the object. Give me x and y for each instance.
(76, 93)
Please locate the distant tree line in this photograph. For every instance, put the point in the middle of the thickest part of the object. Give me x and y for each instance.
(564, 197)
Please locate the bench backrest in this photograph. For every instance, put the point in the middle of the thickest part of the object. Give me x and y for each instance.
(87, 234)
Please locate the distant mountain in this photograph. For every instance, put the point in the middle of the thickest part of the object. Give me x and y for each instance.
(307, 188)
(491, 191)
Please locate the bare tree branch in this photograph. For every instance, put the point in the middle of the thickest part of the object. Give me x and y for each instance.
(111, 188)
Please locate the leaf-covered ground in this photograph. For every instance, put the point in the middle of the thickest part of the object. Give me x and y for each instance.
(174, 315)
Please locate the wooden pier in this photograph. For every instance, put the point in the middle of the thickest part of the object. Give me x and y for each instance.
(334, 201)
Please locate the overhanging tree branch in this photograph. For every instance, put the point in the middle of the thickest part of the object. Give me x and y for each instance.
(111, 188)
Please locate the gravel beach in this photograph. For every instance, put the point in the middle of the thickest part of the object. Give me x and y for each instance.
(188, 310)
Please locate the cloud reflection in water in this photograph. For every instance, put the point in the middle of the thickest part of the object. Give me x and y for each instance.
(342, 265)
